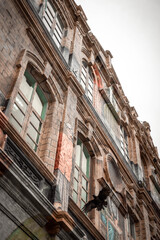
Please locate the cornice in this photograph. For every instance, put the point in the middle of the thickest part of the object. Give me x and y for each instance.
(81, 18)
(65, 12)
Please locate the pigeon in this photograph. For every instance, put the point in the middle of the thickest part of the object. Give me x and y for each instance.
(99, 202)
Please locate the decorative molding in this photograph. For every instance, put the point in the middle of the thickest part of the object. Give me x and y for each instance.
(23, 163)
(113, 174)
(86, 52)
(74, 84)
(54, 91)
(65, 14)
(21, 143)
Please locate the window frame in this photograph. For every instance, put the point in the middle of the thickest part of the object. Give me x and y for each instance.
(87, 80)
(55, 27)
(131, 227)
(81, 175)
(30, 110)
(124, 143)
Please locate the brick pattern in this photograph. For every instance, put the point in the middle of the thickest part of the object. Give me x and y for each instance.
(13, 39)
(65, 141)
(59, 130)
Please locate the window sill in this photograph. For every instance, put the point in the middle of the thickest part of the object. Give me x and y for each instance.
(10, 132)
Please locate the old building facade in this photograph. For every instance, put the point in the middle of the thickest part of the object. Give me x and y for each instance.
(67, 131)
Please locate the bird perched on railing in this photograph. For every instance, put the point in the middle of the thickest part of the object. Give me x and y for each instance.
(99, 202)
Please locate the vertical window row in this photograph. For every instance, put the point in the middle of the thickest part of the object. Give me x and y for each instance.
(81, 174)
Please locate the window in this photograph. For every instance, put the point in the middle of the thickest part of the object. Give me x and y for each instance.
(131, 227)
(29, 110)
(124, 143)
(81, 174)
(107, 222)
(53, 23)
(112, 99)
(87, 80)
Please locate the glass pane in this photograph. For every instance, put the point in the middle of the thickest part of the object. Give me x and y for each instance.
(37, 104)
(35, 122)
(18, 115)
(84, 163)
(58, 36)
(76, 172)
(59, 31)
(57, 42)
(59, 23)
(75, 185)
(48, 26)
(27, 87)
(111, 231)
(74, 196)
(83, 70)
(90, 82)
(49, 15)
(90, 96)
(84, 183)
(21, 103)
(83, 78)
(83, 75)
(82, 204)
(50, 8)
(103, 218)
(78, 154)
(84, 195)
(90, 89)
(48, 21)
(31, 143)
(15, 124)
(83, 84)
(33, 133)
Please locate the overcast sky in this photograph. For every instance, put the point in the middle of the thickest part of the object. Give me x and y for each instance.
(130, 29)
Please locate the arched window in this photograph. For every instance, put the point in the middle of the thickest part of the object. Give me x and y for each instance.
(53, 23)
(81, 174)
(87, 80)
(29, 110)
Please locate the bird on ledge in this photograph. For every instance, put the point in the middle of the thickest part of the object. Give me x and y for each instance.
(99, 202)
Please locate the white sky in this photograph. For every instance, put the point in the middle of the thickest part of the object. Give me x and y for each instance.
(130, 29)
